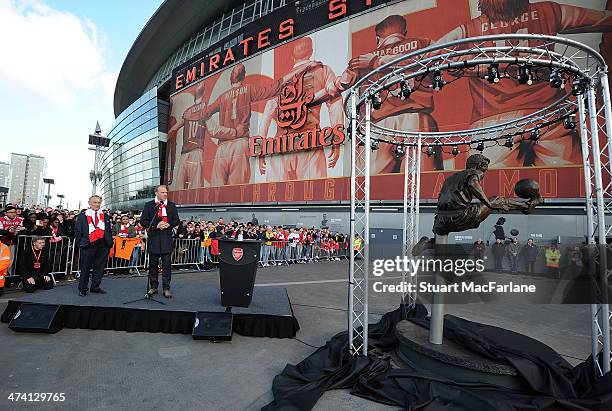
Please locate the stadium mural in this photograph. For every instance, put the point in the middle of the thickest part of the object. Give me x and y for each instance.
(270, 127)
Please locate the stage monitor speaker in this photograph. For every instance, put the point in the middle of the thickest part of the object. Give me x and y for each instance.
(216, 326)
(37, 318)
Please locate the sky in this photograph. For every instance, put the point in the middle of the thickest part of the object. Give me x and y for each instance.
(60, 62)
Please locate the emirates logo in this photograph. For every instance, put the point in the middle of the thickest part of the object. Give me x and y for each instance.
(292, 104)
(237, 253)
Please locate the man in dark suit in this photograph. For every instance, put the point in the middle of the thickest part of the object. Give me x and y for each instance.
(159, 216)
(94, 238)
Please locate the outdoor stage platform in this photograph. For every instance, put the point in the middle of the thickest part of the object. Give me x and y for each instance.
(269, 315)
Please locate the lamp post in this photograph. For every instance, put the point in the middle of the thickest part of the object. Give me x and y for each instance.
(61, 197)
(48, 182)
(97, 141)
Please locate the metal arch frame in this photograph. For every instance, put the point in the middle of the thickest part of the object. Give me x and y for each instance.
(440, 56)
(359, 225)
(599, 204)
(595, 127)
(410, 237)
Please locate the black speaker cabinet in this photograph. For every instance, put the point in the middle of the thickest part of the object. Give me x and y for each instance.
(37, 318)
(215, 326)
(237, 269)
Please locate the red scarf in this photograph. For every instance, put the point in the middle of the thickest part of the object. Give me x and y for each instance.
(95, 222)
(161, 211)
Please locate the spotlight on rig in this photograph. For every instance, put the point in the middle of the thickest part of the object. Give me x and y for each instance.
(509, 142)
(455, 150)
(524, 76)
(376, 101)
(438, 82)
(535, 135)
(569, 123)
(374, 145)
(493, 73)
(578, 86)
(430, 151)
(405, 90)
(556, 78)
(480, 147)
(398, 151)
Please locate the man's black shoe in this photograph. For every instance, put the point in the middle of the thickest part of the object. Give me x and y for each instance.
(82, 293)
(97, 291)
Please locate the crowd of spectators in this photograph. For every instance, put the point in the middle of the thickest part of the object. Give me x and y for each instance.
(56, 227)
(279, 243)
(510, 254)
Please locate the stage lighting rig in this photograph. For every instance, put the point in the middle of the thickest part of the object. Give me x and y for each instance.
(405, 90)
(376, 101)
(525, 76)
(480, 147)
(535, 135)
(569, 122)
(493, 73)
(430, 151)
(578, 86)
(438, 82)
(455, 151)
(374, 145)
(556, 78)
(509, 142)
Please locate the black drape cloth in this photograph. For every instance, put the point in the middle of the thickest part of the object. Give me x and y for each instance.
(178, 322)
(554, 384)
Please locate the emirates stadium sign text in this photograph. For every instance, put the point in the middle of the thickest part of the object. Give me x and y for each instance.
(293, 20)
(304, 140)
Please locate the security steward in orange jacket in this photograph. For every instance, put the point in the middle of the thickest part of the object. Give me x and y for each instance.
(5, 262)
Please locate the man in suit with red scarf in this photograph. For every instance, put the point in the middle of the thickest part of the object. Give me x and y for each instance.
(94, 238)
(159, 216)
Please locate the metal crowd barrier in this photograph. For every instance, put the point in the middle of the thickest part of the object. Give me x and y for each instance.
(136, 260)
(187, 252)
(64, 256)
(286, 252)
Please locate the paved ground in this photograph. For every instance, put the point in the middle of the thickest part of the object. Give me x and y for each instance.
(112, 370)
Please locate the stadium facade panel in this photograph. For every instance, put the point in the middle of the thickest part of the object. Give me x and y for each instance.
(255, 89)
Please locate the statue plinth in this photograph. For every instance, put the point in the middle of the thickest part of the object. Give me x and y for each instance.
(452, 361)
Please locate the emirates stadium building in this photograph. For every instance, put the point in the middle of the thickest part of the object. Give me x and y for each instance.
(238, 107)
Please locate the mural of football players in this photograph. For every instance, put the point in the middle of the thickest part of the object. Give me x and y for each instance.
(231, 164)
(413, 113)
(193, 123)
(506, 100)
(311, 163)
(188, 164)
